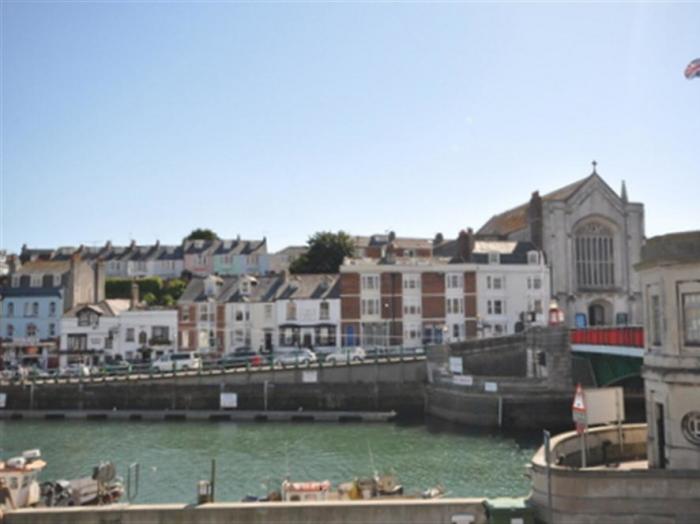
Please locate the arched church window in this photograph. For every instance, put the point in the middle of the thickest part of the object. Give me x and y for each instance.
(594, 254)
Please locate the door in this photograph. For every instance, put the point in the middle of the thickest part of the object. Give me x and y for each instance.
(268, 341)
(596, 315)
(660, 436)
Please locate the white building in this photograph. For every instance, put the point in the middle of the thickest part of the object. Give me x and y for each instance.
(113, 329)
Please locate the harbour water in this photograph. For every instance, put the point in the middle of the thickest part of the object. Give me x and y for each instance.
(253, 458)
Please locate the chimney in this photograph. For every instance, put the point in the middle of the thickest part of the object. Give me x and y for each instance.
(439, 239)
(134, 302)
(534, 220)
(390, 253)
(99, 283)
(465, 245)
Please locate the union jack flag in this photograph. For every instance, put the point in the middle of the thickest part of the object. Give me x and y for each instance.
(693, 69)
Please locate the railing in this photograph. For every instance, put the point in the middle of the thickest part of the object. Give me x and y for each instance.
(135, 371)
(630, 336)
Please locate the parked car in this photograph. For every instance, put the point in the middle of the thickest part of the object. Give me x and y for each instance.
(177, 362)
(300, 357)
(341, 355)
(76, 370)
(241, 357)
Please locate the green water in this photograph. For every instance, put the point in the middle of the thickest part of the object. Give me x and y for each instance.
(252, 457)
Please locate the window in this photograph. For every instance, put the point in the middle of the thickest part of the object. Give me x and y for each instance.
(86, 318)
(35, 309)
(324, 311)
(691, 319)
(495, 307)
(52, 309)
(143, 338)
(239, 315)
(456, 331)
(130, 336)
(411, 306)
(655, 320)
(10, 331)
(370, 306)
(494, 258)
(291, 310)
(160, 333)
(454, 305)
(203, 312)
(538, 306)
(370, 282)
(594, 255)
(268, 311)
(77, 342)
(185, 312)
(10, 309)
(537, 283)
(533, 257)
(31, 330)
(411, 281)
(454, 281)
(495, 282)
(52, 330)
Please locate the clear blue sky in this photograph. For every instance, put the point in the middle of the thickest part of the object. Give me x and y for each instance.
(146, 120)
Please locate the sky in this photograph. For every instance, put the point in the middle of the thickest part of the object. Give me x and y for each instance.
(145, 120)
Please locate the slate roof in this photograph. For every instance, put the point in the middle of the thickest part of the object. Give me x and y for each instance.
(239, 247)
(44, 266)
(310, 287)
(108, 308)
(515, 219)
(31, 292)
(399, 242)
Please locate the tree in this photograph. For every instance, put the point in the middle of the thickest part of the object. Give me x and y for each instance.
(202, 234)
(326, 253)
(150, 299)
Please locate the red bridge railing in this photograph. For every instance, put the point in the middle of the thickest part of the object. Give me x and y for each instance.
(631, 336)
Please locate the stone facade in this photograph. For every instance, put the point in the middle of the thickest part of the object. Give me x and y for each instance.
(592, 238)
(670, 278)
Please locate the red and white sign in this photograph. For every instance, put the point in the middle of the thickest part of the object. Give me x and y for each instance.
(578, 409)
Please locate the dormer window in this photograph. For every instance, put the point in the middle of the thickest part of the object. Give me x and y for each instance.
(533, 257)
(494, 258)
(87, 318)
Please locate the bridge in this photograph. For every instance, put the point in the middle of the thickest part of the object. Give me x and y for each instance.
(608, 356)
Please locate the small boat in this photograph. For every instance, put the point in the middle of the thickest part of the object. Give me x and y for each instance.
(20, 475)
(103, 487)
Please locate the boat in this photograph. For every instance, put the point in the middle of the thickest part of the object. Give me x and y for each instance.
(21, 475)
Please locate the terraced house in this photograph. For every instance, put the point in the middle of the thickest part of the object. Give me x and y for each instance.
(220, 314)
(39, 293)
(481, 289)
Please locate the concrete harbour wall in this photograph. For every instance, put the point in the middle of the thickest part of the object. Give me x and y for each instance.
(440, 511)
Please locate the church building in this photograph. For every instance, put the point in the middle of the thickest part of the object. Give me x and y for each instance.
(592, 238)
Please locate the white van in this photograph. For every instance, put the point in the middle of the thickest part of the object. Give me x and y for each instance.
(177, 362)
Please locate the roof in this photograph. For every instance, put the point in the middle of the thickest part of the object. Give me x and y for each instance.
(399, 242)
(293, 251)
(108, 308)
(30, 292)
(310, 287)
(44, 266)
(516, 219)
(239, 247)
(193, 247)
(262, 289)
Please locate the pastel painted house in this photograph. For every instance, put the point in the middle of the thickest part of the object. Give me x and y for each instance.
(241, 257)
(198, 256)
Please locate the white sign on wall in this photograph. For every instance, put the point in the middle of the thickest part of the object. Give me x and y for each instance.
(491, 387)
(3, 400)
(463, 380)
(309, 376)
(229, 400)
(604, 405)
(456, 365)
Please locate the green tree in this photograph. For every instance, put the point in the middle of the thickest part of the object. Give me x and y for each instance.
(150, 299)
(175, 287)
(326, 253)
(202, 234)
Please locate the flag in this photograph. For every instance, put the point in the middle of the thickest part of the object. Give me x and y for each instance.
(693, 69)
